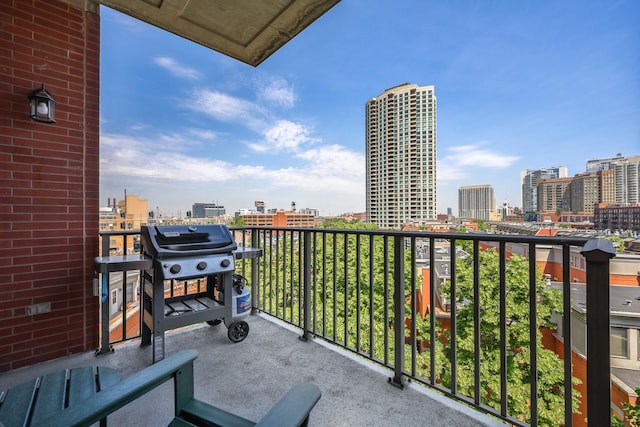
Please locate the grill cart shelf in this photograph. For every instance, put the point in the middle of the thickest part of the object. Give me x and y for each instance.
(200, 262)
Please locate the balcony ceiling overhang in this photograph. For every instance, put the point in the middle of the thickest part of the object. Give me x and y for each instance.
(247, 30)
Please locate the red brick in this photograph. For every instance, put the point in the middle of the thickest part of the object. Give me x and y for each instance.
(51, 179)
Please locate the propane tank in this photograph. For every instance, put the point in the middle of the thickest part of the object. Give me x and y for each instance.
(241, 303)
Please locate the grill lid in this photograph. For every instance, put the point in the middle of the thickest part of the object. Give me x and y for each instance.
(182, 240)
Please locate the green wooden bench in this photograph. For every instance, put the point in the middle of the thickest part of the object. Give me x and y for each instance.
(292, 409)
(33, 401)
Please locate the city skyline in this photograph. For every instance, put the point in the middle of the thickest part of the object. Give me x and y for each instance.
(519, 87)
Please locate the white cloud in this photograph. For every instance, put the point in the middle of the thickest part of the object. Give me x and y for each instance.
(224, 107)
(204, 134)
(473, 155)
(461, 160)
(277, 91)
(284, 135)
(123, 154)
(335, 160)
(176, 69)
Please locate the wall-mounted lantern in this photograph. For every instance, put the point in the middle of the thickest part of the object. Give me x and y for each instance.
(42, 106)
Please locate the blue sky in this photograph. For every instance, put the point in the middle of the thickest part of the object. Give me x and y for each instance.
(520, 85)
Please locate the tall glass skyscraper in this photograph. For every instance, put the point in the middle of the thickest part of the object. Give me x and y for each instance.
(401, 156)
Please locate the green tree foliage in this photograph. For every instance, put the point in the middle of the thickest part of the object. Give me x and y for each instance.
(517, 320)
(339, 223)
(236, 221)
(482, 225)
(632, 418)
(618, 243)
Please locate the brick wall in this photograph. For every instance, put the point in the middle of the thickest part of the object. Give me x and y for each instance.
(48, 180)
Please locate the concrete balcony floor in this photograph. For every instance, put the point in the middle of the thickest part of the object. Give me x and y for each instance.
(248, 377)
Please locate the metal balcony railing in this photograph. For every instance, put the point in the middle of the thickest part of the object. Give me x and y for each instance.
(417, 304)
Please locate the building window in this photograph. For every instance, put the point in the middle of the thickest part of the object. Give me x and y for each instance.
(619, 342)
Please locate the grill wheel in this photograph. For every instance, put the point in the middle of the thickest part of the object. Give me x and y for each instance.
(238, 331)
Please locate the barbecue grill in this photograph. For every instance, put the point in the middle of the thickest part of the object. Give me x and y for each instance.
(188, 253)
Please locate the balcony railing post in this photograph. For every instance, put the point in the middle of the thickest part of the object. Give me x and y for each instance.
(306, 311)
(106, 244)
(255, 265)
(398, 310)
(598, 252)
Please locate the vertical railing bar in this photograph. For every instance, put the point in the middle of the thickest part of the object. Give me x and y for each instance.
(264, 263)
(476, 320)
(533, 335)
(345, 266)
(307, 283)
(398, 310)
(277, 275)
(123, 290)
(255, 272)
(414, 305)
(314, 281)
(302, 278)
(324, 284)
(270, 269)
(371, 295)
(386, 299)
(284, 274)
(291, 277)
(503, 330)
(335, 286)
(566, 335)
(453, 307)
(432, 311)
(358, 292)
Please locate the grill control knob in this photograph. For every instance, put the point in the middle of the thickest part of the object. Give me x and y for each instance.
(225, 262)
(201, 265)
(175, 269)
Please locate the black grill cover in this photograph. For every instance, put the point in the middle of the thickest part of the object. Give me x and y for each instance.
(165, 241)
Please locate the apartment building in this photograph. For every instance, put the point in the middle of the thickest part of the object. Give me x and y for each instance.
(207, 210)
(476, 202)
(280, 218)
(585, 191)
(553, 194)
(401, 139)
(529, 179)
(617, 217)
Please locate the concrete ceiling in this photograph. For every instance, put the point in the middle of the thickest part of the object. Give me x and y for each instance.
(247, 30)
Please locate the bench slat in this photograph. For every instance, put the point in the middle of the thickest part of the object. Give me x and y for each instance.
(82, 384)
(17, 402)
(107, 377)
(51, 395)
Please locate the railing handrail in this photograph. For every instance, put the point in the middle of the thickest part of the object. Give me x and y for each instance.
(485, 237)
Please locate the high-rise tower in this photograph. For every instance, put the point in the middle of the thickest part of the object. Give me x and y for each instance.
(401, 156)
(476, 202)
(529, 180)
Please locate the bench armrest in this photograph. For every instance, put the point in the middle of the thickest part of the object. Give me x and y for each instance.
(178, 366)
(293, 408)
